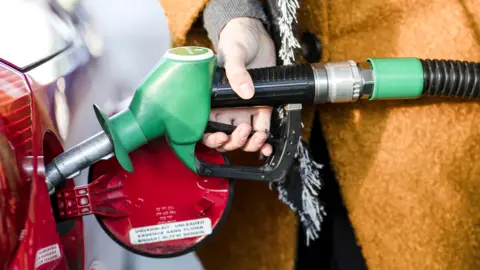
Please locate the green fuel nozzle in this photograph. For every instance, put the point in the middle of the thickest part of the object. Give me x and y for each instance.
(176, 97)
(173, 100)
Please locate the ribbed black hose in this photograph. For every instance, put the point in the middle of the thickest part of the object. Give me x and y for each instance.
(451, 78)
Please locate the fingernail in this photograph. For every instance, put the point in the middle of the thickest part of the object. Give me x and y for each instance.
(247, 91)
(243, 133)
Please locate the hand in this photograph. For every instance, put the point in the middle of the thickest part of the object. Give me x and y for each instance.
(243, 43)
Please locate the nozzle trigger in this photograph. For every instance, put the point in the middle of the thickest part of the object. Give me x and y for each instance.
(287, 125)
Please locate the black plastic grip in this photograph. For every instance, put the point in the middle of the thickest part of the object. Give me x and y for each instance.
(287, 137)
(273, 86)
(451, 78)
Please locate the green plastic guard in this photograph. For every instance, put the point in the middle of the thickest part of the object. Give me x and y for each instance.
(397, 78)
(173, 100)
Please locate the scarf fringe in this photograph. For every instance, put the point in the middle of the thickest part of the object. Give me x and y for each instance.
(288, 10)
(311, 211)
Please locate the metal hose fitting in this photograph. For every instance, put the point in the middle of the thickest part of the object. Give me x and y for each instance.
(345, 81)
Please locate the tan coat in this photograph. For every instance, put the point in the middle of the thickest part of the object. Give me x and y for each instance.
(409, 171)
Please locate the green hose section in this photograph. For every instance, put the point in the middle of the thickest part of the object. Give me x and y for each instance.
(397, 78)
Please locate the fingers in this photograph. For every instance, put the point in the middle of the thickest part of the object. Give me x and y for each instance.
(261, 119)
(255, 142)
(215, 140)
(261, 123)
(266, 150)
(237, 74)
(222, 142)
(232, 116)
(238, 138)
(245, 119)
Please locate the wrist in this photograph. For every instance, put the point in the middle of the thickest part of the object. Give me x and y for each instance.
(219, 13)
(245, 21)
(236, 25)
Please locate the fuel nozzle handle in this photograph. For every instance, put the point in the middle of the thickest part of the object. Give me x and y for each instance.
(175, 99)
(273, 86)
(317, 83)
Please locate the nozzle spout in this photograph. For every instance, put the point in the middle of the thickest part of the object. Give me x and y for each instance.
(76, 159)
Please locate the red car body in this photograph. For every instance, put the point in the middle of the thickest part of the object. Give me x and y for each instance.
(40, 60)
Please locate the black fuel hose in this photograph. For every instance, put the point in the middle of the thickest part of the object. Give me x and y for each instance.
(387, 78)
(451, 78)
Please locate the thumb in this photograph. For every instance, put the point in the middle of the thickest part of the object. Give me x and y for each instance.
(237, 74)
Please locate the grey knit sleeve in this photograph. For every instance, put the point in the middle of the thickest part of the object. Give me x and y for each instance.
(219, 12)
